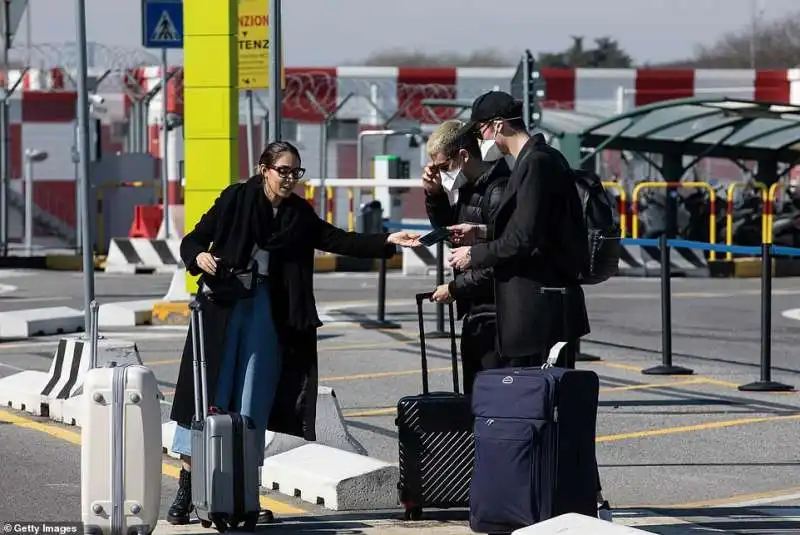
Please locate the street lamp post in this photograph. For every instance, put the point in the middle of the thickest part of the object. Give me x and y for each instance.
(31, 156)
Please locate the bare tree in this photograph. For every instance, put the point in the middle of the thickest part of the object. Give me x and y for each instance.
(775, 45)
(606, 53)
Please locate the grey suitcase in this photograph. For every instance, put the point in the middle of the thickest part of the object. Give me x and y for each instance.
(225, 456)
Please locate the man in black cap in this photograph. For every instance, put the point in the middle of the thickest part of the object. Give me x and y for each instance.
(539, 240)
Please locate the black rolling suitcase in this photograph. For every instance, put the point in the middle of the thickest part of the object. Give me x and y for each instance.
(535, 444)
(436, 442)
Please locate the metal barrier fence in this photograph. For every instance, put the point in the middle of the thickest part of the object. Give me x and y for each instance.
(766, 251)
(712, 196)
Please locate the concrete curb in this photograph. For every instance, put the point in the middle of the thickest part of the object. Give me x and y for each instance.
(331, 431)
(575, 524)
(750, 268)
(40, 321)
(335, 479)
(126, 313)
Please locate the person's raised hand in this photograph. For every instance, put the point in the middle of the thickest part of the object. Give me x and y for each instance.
(404, 238)
(431, 180)
(460, 258)
(464, 233)
(207, 263)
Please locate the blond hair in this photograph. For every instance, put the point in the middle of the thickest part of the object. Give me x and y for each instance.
(445, 139)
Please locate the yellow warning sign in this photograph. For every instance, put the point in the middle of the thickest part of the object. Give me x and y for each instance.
(254, 46)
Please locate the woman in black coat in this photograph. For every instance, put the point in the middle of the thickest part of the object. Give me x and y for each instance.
(261, 351)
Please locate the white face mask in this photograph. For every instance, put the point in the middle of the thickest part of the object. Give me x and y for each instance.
(490, 152)
(451, 181)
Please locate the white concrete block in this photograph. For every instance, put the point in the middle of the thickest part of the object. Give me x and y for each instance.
(22, 391)
(331, 429)
(126, 313)
(167, 434)
(67, 411)
(575, 524)
(177, 287)
(40, 321)
(336, 479)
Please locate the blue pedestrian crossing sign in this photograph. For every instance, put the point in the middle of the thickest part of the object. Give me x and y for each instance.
(162, 23)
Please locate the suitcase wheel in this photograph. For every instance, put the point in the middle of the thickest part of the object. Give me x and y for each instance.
(413, 513)
(205, 523)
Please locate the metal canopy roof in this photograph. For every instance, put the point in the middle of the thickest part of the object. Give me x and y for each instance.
(703, 126)
(554, 122)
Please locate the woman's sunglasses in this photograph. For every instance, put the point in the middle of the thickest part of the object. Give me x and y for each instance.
(286, 172)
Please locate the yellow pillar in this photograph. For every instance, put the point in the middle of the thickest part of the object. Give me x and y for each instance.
(211, 105)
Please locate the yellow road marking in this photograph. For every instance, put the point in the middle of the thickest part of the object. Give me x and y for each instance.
(698, 380)
(167, 469)
(380, 375)
(697, 427)
(322, 347)
(391, 410)
(721, 502)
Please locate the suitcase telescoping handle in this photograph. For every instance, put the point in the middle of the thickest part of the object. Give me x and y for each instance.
(199, 362)
(555, 351)
(94, 332)
(453, 351)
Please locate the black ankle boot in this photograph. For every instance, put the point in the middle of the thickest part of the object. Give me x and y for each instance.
(179, 511)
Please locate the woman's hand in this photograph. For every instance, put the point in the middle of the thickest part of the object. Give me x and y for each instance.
(404, 238)
(207, 263)
(465, 233)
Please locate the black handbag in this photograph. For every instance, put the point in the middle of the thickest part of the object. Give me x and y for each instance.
(230, 284)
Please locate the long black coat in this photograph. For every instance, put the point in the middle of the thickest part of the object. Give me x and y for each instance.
(293, 304)
(539, 240)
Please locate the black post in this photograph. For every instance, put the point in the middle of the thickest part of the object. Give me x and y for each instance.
(439, 332)
(372, 221)
(666, 367)
(766, 384)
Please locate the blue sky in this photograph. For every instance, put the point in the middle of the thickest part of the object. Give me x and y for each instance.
(327, 32)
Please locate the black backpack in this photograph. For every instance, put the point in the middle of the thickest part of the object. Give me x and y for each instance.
(602, 227)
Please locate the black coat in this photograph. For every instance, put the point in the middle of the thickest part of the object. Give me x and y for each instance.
(472, 289)
(539, 240)
(292, 290)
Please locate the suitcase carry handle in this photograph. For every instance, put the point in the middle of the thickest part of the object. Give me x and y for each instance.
(453, 351)
(555, 351)
(199, 362)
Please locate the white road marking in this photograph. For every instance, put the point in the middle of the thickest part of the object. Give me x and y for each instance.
(7, 289)
(792, 314)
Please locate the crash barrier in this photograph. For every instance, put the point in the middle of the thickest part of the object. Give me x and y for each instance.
(359, 190)
(765, 208)
(143, 255)
(766, 251)
(712, 220)
(621, 206)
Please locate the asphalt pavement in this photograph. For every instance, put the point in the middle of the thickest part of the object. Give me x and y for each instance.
(676, 452)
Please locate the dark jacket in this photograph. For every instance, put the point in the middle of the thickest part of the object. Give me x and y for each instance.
(473, 289)
(539, 240)
(291, 283)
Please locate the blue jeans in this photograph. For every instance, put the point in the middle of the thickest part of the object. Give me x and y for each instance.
(250, 367)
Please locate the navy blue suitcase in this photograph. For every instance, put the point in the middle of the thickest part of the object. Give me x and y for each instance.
(534, 446)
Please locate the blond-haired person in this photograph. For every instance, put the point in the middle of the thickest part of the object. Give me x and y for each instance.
(462, 189)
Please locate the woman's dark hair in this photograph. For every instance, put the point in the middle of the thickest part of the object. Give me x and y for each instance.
(274, 150)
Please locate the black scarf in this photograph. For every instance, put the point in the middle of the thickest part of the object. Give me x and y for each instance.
(255, 223)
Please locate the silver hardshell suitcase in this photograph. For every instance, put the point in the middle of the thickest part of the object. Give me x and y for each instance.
(225, 456)
(120, 447)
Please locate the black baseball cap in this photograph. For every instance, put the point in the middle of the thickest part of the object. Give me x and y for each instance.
(490, 106)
